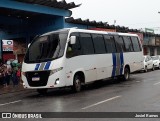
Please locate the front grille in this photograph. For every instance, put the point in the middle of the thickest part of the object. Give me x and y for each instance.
(42, 75)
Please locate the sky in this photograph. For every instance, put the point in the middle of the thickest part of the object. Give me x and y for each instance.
(134, 14)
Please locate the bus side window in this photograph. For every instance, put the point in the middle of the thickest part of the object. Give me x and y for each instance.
(128, 44)
(110, 44)
(75, 49)
(99, 44)
(86, 44)
(119, 43)
(136, 44)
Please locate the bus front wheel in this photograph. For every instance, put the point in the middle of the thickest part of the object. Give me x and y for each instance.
(77, 84)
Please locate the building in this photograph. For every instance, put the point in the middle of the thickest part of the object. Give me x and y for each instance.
(22, 20)
(151, 44)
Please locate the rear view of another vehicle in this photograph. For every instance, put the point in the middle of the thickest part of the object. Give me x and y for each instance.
(156, 61)
(148, 63)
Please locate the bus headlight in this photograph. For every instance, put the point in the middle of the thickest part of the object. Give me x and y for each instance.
(56, 70)
(57, 81)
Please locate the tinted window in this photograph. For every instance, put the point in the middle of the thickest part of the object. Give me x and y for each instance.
(119, 43)
(128, 44)
(46, 48)
(75, 49)
(62, 44)
(110, 44)
(136, 45)
(86, 44)
(154, 57)
(99, 44)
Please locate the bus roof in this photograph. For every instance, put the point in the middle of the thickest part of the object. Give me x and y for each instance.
(89, 31)
(101, 32)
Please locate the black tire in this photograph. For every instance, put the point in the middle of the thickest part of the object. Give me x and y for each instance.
(145, 69)
(159, 66)
(153, 68)
(77, 84)
(126, 75)
(42, 91)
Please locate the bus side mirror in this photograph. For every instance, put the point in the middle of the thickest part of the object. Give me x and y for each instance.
(73, 40)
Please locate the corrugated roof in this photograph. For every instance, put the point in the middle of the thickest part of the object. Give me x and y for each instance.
(98, 24)
(52, 3)
(85, 22)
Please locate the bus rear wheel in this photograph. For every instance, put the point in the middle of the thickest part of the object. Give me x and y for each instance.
(77, 84)
(126, 75)
(42, 91)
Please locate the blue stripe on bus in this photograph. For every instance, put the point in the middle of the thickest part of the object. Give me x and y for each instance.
(37, 67)
(122, 63)
(47, 65)
(114, 64)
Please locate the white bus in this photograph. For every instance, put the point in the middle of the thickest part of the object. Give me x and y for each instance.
(74, 57)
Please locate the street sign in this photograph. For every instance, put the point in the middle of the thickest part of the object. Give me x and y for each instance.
(7, 45)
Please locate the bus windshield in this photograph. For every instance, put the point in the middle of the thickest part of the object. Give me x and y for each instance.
(46, 48)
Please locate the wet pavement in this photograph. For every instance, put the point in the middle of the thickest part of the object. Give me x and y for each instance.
(11, 89)
(140, 94)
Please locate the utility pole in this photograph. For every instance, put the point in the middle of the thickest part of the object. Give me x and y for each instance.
(115, 25)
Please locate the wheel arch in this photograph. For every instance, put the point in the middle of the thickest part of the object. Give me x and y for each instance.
(81, 73)
(127, 66)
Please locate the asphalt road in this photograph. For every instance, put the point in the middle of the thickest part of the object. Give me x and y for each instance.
(140, 94)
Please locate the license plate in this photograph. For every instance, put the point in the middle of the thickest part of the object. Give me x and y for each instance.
(35, 79)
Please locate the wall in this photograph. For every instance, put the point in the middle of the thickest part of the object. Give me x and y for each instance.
(158, 51)
(70, 25)
(16, 29)
(44, 24)
(157, 41)
(8, 56)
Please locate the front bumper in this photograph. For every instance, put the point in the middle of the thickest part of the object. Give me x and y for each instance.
(45, 80)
